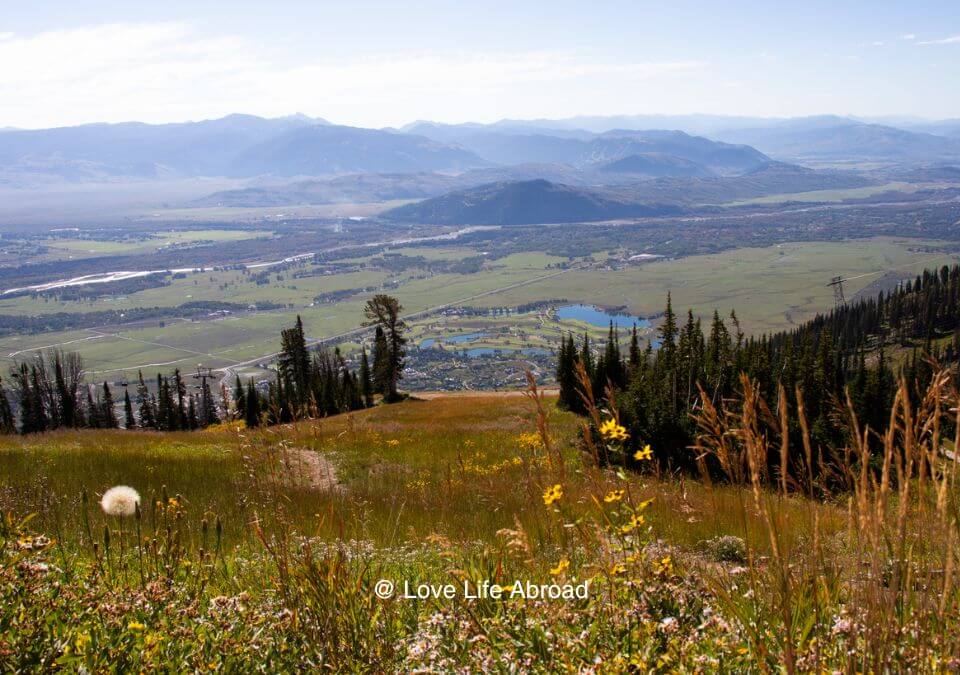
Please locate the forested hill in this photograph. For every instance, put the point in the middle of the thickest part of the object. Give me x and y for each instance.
(861, 347)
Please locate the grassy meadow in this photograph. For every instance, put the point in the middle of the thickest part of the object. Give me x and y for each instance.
(265, 550)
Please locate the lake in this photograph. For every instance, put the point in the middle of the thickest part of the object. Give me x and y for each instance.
(599, 317)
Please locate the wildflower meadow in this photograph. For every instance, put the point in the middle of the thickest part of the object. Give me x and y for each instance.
(473, 533)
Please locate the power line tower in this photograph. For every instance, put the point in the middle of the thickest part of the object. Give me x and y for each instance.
(837, 283)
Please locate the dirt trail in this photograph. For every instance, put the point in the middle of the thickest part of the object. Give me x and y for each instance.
(306, 468)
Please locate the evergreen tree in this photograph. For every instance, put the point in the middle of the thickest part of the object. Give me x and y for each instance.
(252, 407)
(381, 366)
(208, 407)
(239, 399)
(129, 421)
(107, 415)
(366, 381)
(294, 366)
(148, 416)
(384, 311)
(7, 423)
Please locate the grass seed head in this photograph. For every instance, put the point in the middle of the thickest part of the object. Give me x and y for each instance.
(120, 500)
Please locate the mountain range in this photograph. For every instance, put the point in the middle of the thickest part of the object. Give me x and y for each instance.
(521, 202)
(631, 147)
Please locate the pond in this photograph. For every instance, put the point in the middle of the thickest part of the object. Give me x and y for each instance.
(454, 339)
(489, 351)
(599, 317)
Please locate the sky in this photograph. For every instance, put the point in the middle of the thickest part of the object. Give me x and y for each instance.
(388, 63)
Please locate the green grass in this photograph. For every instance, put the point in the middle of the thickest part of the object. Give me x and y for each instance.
(244, 565)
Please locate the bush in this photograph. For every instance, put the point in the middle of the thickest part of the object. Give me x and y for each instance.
(726, 548)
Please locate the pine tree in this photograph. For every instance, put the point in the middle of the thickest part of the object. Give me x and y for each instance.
(41, 421)
(129, 421)
(180, 392)
(107, 415)
(381, 366)
(634, 362)
(166, 418)
(384, 312)
(94, 410)
(7, 423)
(569, 398)
(366, 381)
(252, 408)
(208, 407)
(294, 366)
(239, 399)
(148, 415)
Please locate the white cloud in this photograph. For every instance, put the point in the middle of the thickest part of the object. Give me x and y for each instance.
(944, 41)
(167, 71)
(908, 36)
(877, 43)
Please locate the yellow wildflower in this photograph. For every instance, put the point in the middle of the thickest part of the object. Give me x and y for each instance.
(552, 494)
(393, 442)
(613, 496)
(82, 642)
(612, 431)
(561, 567)
(135, 626)
(529, 442)
(646, 453)
(632, 524)
(618, 569)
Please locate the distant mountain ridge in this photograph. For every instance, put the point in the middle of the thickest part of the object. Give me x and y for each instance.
(584, 149)
(690, 184)
(237, 145)
(599, 151)
(819, 138)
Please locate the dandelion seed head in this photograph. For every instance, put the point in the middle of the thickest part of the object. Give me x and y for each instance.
(120, 500)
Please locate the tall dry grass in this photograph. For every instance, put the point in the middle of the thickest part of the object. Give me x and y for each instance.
(880, 593)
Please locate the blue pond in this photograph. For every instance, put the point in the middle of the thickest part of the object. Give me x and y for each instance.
(597, 317)
(488, 351)
(454, 339)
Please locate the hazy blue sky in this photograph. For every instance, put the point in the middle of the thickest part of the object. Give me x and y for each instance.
(388, 63)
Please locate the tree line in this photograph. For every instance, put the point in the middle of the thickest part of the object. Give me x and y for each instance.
(49, 391)
(861, 348)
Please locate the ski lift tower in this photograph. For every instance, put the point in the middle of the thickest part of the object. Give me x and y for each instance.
(838, 299)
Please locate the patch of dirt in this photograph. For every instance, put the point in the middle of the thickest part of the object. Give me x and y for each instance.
(306, 468)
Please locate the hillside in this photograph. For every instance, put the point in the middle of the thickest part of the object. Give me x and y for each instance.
(656, 165)
(521, 203)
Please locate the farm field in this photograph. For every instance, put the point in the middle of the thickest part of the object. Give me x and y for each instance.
(841, 194)
(771, 288)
